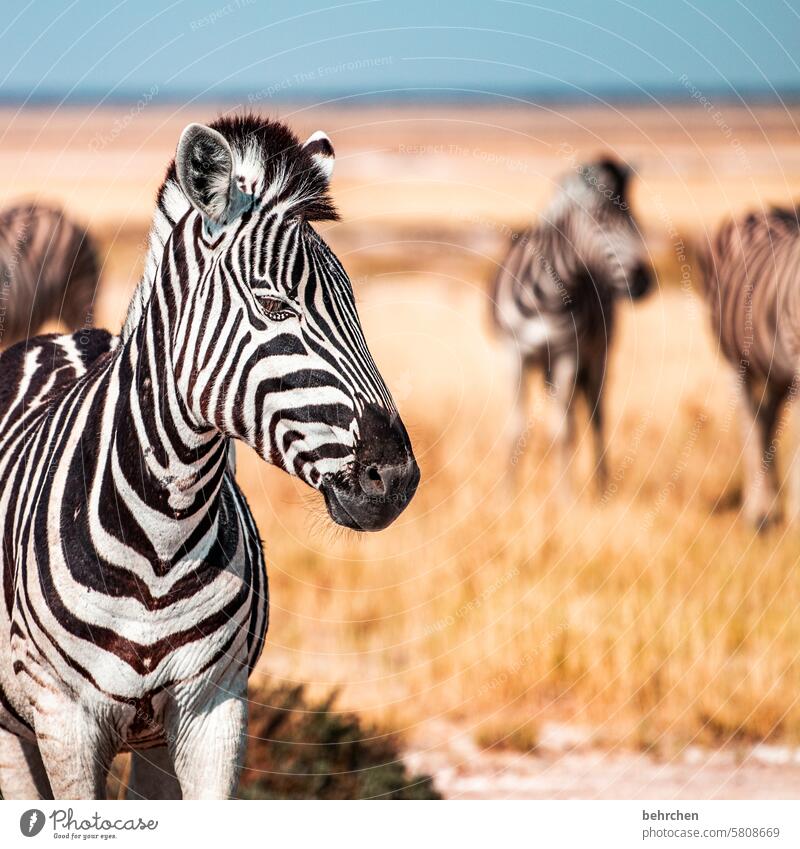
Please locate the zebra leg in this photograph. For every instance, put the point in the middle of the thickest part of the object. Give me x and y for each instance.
(592, 385)
(77, 748)
(207, 745)
(563, 380)
(22, 773)
(761, 405)
(793, 482)
(517, 423)
(152, 775)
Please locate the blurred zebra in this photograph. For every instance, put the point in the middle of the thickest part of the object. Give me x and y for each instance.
(553, 298)
(48, 271)
(136, 599)
(750, 269)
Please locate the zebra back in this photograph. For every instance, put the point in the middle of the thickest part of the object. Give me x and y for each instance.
(749, 273)
(49, 270)
(38, 370)
(559, 277)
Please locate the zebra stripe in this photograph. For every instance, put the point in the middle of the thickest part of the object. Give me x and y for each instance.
(554, 294)
(48, 271)
(134, 579)
(749, 282)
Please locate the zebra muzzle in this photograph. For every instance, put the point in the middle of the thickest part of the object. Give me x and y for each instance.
(384, 477)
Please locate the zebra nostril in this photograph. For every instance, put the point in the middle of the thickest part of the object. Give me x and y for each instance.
(641, 280)
(372, 481)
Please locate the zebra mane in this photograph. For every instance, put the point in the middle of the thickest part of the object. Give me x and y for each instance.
(788, 217)
(599, 187)
(270, 160)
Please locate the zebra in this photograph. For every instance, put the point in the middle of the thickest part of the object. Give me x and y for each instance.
(135, 590)
(49, 270)
(749, 270)
(553, 299)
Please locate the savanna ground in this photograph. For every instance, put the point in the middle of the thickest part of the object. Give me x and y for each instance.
(641, 642)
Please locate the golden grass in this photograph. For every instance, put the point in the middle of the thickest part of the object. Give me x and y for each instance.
(649, 613)
(502, 732)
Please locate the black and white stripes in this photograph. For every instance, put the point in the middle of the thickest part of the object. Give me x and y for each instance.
(134, 585)
(49, 271)
(553, 296)
(750, 283)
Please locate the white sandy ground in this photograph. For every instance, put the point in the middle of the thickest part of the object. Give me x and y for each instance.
(566, 766)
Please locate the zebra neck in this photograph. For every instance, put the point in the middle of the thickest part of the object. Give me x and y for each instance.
(172, 206)
(160, 459)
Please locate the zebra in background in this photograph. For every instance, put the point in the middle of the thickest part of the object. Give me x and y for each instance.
(750, 269)
(49, 271)
(554, 294)
(135, 594)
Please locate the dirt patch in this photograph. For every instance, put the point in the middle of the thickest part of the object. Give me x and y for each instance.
(571, 769)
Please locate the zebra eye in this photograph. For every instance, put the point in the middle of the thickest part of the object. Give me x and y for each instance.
(274, 308)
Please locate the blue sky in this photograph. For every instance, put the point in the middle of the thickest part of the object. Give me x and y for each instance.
(258, 48)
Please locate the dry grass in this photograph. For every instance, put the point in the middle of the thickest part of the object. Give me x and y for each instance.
(501, 732)
(650, 613)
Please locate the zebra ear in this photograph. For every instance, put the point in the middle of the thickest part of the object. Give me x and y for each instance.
(321, 150)
(204, 163)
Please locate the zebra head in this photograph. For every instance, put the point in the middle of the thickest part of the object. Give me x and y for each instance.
(603, 191)
(268, 344)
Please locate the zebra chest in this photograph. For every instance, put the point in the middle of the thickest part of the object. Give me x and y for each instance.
(535, 332)
(126, 645)
(131, 627)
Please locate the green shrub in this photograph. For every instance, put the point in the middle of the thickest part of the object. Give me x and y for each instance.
(302, 750)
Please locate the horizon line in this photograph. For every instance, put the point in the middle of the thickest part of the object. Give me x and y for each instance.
(432, 95)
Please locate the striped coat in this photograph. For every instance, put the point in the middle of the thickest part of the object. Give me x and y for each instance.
(751, 271)
(135, 594)
(553, 299)
(49, 271)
